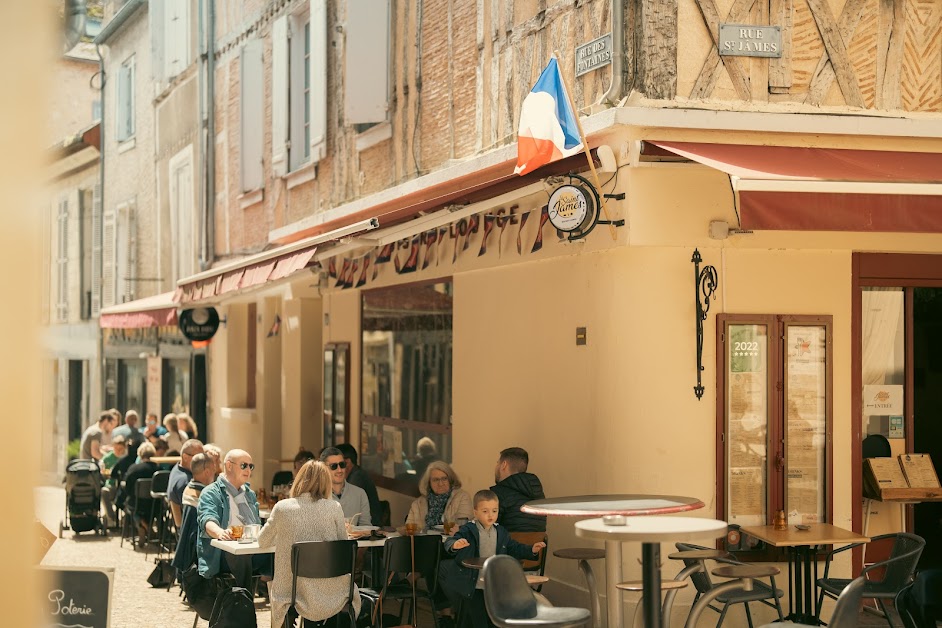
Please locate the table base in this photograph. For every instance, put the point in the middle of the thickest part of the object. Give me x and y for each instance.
(801, 580)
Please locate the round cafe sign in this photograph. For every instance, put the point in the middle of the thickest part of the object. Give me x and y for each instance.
(569, 208)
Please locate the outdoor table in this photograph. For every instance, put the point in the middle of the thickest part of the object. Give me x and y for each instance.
(800, 544)
(626, 505)
(165, 459)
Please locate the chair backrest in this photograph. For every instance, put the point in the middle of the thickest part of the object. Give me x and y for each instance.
(507, 595)
(847, 610)
(159, 482)
(876, 446)
(142, 488)
(397, 556)
(904, 557)
(701, 580)
(322, 559)
(384, 516)
(281, 478)
(529, 538)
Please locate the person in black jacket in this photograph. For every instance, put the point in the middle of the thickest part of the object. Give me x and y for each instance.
(515, 487)
(478, 538)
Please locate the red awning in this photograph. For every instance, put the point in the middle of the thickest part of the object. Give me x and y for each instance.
(155, 311)
(247, 273)
(826, 189)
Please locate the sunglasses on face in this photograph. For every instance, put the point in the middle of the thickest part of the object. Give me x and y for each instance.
(334, 465)
(246, 465)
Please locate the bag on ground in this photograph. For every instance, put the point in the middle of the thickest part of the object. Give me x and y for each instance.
(162, 575)
(234, 608)
(200, 592)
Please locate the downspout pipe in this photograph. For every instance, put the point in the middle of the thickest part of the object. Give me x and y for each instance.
(210, 148)
(614, 93)
(101, 213)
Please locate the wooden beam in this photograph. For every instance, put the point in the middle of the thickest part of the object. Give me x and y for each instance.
(657, 48)
(709, 73)
(823, 74)
(837, 51)
(890, 36)
(781, 13)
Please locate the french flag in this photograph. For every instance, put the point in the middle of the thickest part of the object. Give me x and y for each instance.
(548, 129)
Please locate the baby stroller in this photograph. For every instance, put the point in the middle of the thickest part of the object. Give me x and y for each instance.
(82, 498)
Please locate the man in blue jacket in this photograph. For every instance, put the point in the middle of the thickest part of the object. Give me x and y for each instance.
(482, 538)
(226, 502)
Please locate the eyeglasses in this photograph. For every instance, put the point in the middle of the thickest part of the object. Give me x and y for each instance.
(246, 465)
(333, 466)
(441, 480)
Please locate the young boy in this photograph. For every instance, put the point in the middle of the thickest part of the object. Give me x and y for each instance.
(478, 538)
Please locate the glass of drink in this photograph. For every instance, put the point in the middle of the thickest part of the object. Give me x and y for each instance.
(236, 532)
(412, 528)
(448, 527)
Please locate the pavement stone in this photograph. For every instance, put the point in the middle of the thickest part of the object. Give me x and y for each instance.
(134, 603)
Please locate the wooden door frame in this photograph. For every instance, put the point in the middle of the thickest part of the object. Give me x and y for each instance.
(901, 270)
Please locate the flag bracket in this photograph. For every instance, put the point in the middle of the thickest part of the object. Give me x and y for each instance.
(618, 223)
(615, 197)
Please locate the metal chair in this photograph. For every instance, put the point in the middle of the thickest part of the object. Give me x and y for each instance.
(758, 592)
(511, 603)
(846, 611)
(398, 559)
(584, 555)
(899, 567)
(141, 491)
(324, 559)
(159, 483)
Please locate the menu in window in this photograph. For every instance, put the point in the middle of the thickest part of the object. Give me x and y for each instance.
(747, 421)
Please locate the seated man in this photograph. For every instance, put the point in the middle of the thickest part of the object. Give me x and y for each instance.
(180, 475)
(353, 499)
(203, 469)
(109, 490)
(358, 477)
(132, 435)
(515, 487)
(226, 502)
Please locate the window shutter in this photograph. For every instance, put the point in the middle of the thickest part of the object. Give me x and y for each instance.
(177, 36)
(279, 96)
(108, 262)
(130, 98)
(252, 114)
(121, 125)
(62, 262)
(366, 55)
(96, 251)
(158, 33)
(319, 79)
(128, 288)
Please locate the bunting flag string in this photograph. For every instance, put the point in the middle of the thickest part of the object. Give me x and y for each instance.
(488, 227)
(523, 223)
(538, 242)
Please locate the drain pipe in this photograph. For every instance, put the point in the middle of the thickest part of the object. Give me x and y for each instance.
(102, 130)
(614, 93)
(208, 106)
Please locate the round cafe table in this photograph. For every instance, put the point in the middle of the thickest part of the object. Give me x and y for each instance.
(631, 505)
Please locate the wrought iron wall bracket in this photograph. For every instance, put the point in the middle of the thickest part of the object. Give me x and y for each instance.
(705, 284)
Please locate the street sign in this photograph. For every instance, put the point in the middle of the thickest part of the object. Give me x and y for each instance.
(594, 55)
(748, 40)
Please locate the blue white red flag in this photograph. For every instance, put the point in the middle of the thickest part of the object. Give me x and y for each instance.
(548, 129)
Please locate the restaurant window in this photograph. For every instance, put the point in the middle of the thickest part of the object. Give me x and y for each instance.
(774, 416)
(336, 393)
(406, 382)
(176, 385)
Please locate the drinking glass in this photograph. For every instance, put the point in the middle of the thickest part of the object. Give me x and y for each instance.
(236, 532)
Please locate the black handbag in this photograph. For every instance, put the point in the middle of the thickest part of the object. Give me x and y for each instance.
(163, 574)
(201, 592)
(291, 617)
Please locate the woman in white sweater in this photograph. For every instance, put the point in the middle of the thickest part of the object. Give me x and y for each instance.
(309, 515)
(442, 498)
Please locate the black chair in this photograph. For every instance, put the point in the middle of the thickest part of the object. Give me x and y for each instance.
(384, 517)
(846, 611)
(397, 561)
(760, 592)
(141, 492)
(511, 602)
(899, 569)
(324, 559)
(281, 478)
(159, 483)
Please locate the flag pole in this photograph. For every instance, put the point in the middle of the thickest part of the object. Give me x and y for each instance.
(585, 148)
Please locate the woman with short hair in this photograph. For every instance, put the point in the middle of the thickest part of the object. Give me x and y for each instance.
(442, 498)
(310, 514)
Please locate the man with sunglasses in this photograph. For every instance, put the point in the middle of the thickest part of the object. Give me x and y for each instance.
(352, 498)
(226, 502)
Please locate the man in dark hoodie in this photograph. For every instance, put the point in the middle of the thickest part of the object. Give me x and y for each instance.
(514, 488)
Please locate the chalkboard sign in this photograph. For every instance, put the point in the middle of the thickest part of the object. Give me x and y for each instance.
(77, 598)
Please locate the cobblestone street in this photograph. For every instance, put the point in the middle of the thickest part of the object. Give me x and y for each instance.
(133, 601)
